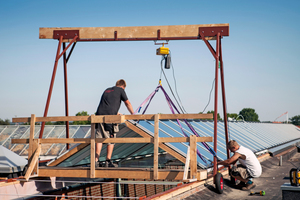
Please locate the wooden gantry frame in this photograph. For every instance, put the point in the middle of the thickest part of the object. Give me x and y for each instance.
(131, 173)
(73, 35)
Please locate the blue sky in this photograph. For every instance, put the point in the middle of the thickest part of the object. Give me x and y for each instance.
(261, 56)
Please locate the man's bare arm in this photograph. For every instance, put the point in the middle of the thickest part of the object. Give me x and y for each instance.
(231, 160)
(129, 106)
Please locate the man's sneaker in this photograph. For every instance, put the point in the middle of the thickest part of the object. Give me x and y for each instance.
(110, 164)
(248, 187)
(98, 164)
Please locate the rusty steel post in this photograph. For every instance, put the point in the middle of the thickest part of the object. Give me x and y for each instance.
(58, 55)
(224, 105)
(216, 104)
(51, 85)
(66, 94)
(224, 100)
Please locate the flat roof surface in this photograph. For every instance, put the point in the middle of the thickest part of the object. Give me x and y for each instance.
(272, 178)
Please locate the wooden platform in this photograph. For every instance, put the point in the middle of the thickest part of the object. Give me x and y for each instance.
(131, 173)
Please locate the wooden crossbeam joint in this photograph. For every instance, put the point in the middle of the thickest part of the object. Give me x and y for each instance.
(67, 34)
(213, 31)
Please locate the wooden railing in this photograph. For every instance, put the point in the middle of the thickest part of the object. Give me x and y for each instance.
(35, 143)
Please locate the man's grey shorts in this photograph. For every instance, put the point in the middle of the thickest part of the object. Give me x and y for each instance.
(101, 133)
(241, 171)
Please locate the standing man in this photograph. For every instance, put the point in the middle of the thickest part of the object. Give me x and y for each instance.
(249, 165)
(109, 105)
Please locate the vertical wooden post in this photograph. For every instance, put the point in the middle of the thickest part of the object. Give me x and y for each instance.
(92, 172)
(156, 144)
(193, 156)
(31, 136)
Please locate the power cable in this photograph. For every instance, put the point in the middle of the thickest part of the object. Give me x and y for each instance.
(170, 87)
(209, 95)
(176, 84)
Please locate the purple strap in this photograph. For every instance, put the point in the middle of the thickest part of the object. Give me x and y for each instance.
(188, 124)
(169, 101)
(171, 105)
(144, 102)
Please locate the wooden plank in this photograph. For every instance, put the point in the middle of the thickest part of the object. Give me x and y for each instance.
(66, 118)
(53, 140)
(169, 116)
(202, 175)
(21, 119)
(92, 159)
(156, 144)
(186, 116)
(65, 140)
(124, 140)
(133, 31)
(140, 117)
(187, 164)
(54, 119)
(33, 162)
(108, 119)
(19, 141)
(193, 157)
(35, 145)
(68, 154)
(184, 139)
(114, 118)
(112, 173)
(97, 119)
(112, 140)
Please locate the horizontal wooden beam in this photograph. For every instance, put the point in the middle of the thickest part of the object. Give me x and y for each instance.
(124, 173)
(135, 32)
(108, 119)
(169, 116)
(184, 139)
(52, 119)
(112, 140)
(114, 118)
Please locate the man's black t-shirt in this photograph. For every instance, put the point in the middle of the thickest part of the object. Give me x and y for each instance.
(111, 101)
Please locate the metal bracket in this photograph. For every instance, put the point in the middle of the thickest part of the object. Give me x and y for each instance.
(116, 35)
(67, 34)
(158, 34)
(213, 31)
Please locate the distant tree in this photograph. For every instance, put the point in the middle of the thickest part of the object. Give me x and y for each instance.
(4, 122)
(249, 115)
(295, 120)
(59, 123)
(213, 112)
(232, 115)
(82, 113)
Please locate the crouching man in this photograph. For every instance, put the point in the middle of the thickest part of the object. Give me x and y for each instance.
(248, 168)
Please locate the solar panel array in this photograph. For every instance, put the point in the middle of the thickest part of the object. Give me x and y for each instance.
(256, 136)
